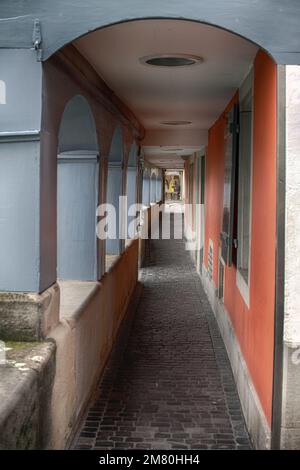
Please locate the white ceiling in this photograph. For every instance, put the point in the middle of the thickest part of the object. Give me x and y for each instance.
(198, 93)
(169, 156)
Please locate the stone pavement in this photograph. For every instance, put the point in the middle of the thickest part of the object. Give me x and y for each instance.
(168, 384)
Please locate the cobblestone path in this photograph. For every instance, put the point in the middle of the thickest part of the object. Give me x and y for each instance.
(168, 384)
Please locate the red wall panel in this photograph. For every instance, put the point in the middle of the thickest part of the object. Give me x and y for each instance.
(253, 326)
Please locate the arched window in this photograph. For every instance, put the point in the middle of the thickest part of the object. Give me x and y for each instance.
(77, 193)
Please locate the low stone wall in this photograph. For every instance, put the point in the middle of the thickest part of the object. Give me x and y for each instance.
(28, 316)
(84, 341)
(45, 387)
(26, 381)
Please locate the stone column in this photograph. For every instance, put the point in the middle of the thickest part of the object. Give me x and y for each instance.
(27, 204)
(290, 414)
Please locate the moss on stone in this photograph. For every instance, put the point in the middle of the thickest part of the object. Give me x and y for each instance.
(18, 345)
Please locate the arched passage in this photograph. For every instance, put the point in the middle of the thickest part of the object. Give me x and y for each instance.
(77, 193)
(261, 64)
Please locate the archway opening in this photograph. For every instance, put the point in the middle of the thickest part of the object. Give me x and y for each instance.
(77, 193)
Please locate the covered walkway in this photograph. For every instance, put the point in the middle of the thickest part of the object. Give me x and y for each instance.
(168, 384)
(107, 110)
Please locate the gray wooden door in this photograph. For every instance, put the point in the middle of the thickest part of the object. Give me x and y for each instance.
(76, 206)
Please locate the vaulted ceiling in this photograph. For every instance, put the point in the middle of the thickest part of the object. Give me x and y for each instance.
(197, 93)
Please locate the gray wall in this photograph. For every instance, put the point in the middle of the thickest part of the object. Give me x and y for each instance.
(20, 177)
(76, 212)
(146, 188)
(77, 193)
(36, 97)
(272, 24)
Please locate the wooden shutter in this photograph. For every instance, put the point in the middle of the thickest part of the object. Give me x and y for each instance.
(230, 173)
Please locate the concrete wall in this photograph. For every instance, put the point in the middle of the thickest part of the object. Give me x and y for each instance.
(290, 432)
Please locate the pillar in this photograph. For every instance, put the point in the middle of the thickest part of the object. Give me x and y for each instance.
(286, 407)
(28, 309)
(114, 191)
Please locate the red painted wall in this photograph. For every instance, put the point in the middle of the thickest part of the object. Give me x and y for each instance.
(254, 326)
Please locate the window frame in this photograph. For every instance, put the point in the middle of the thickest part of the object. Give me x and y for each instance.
(244, 286)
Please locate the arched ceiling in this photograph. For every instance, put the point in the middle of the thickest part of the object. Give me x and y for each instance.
(197, 93)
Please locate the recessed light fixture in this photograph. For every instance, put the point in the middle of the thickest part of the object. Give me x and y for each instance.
(171, 60)
(176, 123)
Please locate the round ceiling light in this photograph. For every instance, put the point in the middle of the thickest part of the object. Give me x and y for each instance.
(171, 60)
(176, 123)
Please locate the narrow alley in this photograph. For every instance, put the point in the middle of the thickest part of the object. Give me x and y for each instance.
(169, 383)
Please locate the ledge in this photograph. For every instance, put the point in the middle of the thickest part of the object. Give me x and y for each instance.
(110, 261)
(74, 295)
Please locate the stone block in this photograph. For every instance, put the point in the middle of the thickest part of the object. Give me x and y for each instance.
(28, 316)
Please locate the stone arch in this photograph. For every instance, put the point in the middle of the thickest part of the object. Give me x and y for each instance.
(63, 22)
(77, 192)
(77, 127)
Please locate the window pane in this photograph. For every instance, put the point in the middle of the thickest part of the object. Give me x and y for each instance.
(245, 153)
